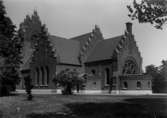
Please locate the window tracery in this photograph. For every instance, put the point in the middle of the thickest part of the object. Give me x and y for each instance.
(130, 67)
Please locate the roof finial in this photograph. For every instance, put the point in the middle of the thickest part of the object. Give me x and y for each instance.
(129, 27)
(35, 13)
(35, 10)
(96, 27)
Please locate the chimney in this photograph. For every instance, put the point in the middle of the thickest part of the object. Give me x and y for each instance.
(129, 27)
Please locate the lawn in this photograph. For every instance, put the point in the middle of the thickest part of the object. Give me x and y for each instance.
(83, 106)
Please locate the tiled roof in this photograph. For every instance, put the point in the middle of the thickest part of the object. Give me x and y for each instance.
(82, 38)
(66, 50)
(104, 49)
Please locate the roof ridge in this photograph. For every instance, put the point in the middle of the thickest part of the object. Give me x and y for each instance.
(57, 36)
(73, 38)
(61, 38)
(115, 37)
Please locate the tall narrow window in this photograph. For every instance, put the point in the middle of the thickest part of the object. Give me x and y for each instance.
(43, 75)
(47, 75)
(107, 76)
(149, 84)
(37, 76)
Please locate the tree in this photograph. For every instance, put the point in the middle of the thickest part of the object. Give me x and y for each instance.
(28, 86)
(163, 68)
(69, 80)
(158, 81)
(149, 11)
(10, 50)
(163, 72)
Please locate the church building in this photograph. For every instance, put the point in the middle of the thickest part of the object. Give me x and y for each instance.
(112, 65)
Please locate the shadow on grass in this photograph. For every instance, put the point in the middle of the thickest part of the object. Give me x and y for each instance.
(49, 115)
(130, 108)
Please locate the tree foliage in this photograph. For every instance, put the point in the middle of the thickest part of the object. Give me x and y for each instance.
(158, 82)
(10, 50)
(149, 11)
(69, 80)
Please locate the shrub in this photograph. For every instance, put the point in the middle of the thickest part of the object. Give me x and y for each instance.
(69, 80)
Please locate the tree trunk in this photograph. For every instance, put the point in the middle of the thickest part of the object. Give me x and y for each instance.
(68, 89)
(78, 88)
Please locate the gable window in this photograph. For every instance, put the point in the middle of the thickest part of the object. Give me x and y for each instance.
(130, 67)
(149, 84)
(138, 85)
(107, 76)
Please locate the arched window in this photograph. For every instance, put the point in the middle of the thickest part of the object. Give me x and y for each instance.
(43, 76)
(37, 76)
(130, 67)
(47, 75)
(149, 84)
(107, 76)
(125, 85)
(138, 85)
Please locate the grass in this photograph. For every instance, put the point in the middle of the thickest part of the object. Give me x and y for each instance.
(83, 106)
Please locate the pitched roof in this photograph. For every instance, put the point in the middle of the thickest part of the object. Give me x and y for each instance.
(82, 38)
(104, 49)
(66, 50)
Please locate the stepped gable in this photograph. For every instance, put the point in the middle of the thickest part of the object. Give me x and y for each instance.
(82, 38)
(87, 38)
(128, 35)
(27, 55)
(30, 26)
(104, 49)
(66, 51)
(84, 41)
(88, 42)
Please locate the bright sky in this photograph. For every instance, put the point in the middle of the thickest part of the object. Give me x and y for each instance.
(69, 18)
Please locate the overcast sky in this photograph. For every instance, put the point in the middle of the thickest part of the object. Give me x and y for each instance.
(69, 18)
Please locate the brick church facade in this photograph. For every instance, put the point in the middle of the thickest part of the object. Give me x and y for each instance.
(113, 64)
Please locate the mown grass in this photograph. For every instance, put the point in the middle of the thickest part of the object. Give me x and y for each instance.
(83, 106)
